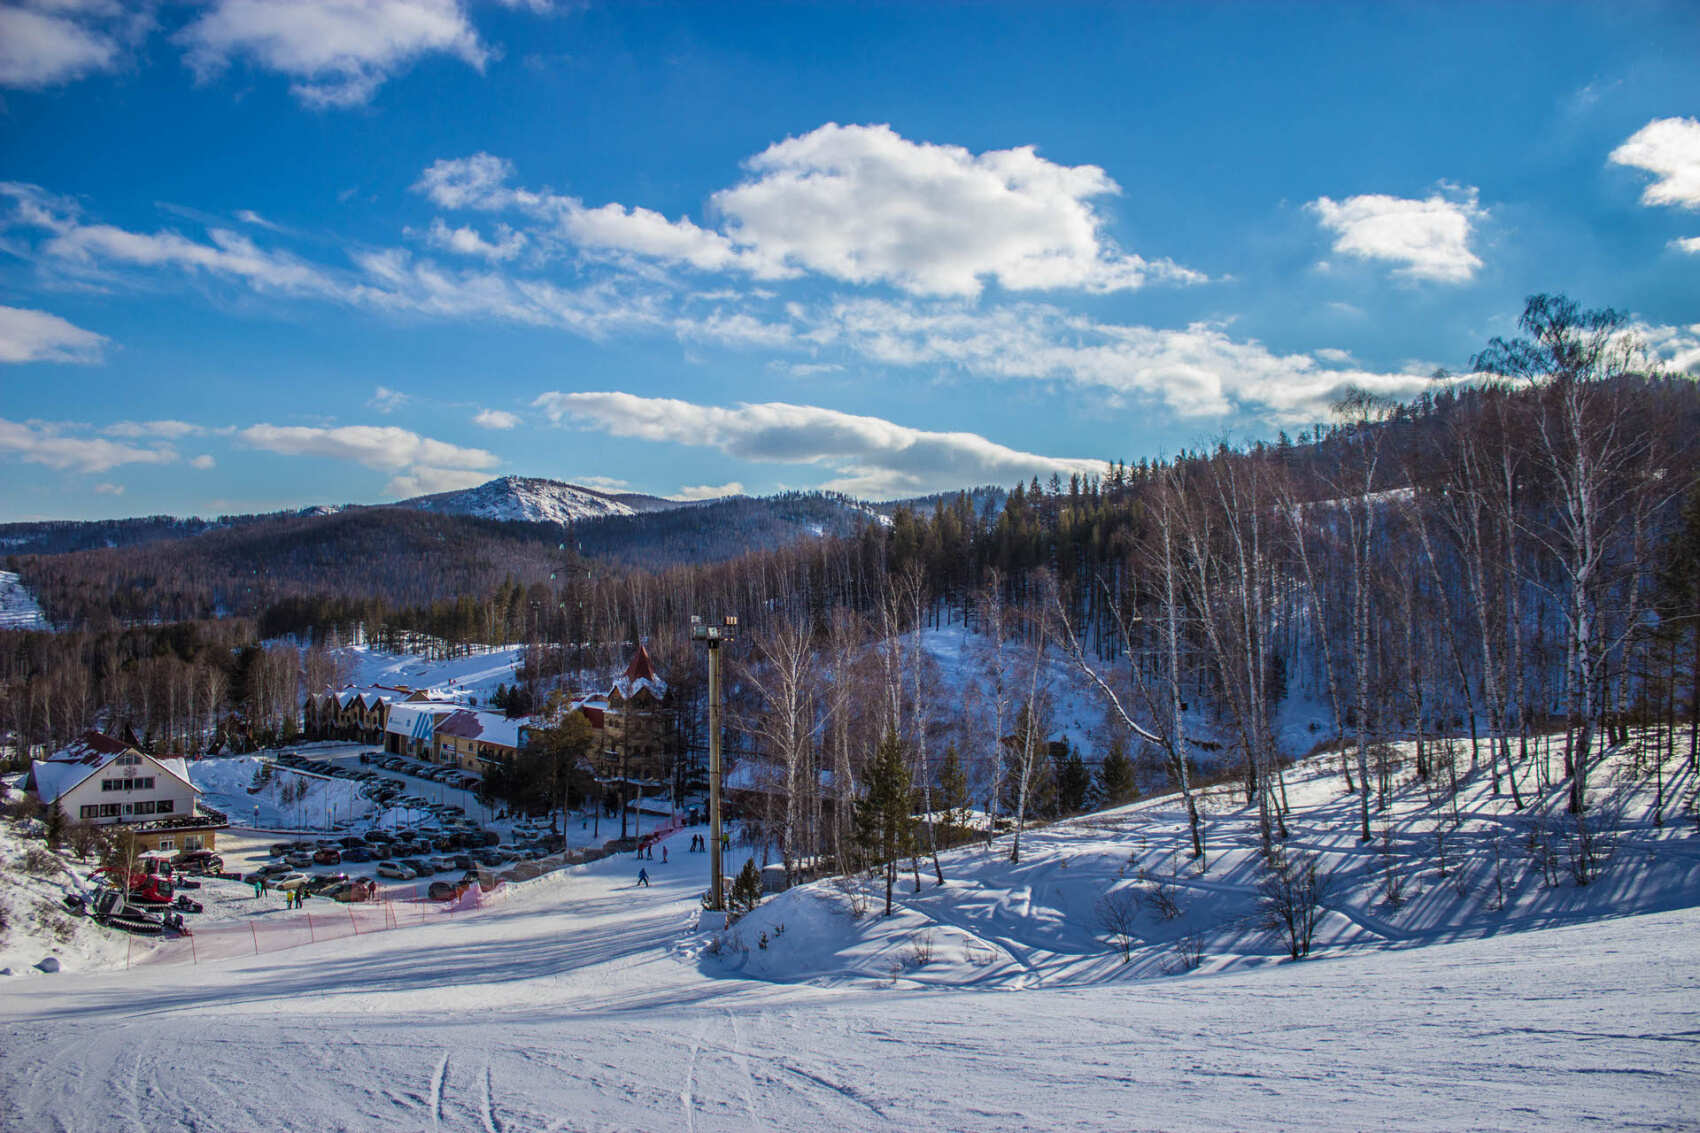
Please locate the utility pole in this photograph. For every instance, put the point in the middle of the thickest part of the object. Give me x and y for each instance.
(713, 635)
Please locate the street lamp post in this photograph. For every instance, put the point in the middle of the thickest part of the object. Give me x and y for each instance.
(713, 635)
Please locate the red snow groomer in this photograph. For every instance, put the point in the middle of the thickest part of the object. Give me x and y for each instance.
(141, 888)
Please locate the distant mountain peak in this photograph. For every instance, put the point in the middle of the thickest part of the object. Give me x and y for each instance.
(533, 499)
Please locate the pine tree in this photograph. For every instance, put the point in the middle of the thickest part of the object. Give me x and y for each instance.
(1116, 777)
(746, 888)
(953, 790)
(884, 820)
(56, 823)
(1073, 780)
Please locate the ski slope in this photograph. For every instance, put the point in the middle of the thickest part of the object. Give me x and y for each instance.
(582, 1001)
(18, 607)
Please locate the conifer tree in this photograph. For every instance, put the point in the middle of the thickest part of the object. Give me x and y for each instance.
(884, 823)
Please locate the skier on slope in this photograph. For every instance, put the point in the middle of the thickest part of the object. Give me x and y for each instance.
(643, 878)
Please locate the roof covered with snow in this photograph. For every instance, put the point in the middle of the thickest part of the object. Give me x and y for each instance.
(640, 674)
(415, 720)
(85, 756)
(486, 727)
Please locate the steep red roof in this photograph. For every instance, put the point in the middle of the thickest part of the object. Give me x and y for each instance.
(641, 668)
(92, 748)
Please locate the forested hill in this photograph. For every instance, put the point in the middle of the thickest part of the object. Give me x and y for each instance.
(164, 570)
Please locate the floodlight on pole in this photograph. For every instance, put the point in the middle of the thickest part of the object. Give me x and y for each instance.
(713, 635)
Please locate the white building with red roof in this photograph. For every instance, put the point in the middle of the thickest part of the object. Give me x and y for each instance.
(103, 780)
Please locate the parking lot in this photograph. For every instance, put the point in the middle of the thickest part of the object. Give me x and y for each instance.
(429, 833)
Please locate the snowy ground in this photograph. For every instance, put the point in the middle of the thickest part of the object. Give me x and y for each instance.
(476, 674)
(18, 608)
(225, 782)
(582, 1001)
(572, 1007)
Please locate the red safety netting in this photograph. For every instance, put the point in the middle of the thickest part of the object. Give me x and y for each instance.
(399, 906)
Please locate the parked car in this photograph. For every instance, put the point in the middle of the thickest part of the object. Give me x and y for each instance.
(376, 836)
(198, 861)
(354, 889)
(397, 870)
(281, 849)
(328, 856)
(289, 881)
(300, 859)
(351, 841)
(357, 854)
(440, 865)
(419, 868)
(325, 882)
(443, 891)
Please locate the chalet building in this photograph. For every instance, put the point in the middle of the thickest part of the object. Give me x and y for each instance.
(411, 729)
(349, 714)
(106, 781)
(473, 740)
(634, 741)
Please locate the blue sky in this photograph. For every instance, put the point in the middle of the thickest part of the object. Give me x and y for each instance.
(258, 255)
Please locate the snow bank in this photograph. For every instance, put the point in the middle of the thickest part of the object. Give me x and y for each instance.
(1060, 915)
(225, 783)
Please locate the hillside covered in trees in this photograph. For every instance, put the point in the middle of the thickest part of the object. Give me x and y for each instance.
(1495, 560)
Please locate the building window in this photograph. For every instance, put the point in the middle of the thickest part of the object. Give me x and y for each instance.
(166, 844)
(89, 812)
(164, 806)
(192, 842)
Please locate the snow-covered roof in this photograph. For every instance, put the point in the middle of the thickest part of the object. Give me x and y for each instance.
(415, 720)
(639, 675)
(486, 727)
(85, 756)
(91, 748)
(52, 779)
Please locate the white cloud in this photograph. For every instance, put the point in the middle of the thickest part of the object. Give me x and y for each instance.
(386, 400)
(466, 241)
(42, 44)
(108, 489)
(425, 481)
(870, 456)
(203, 462)
(495, 419)
(338, 52)
(1668, 148)
(230, 253)
(1197, 370)
(375, 446)
(1689, 244)
(40, 442)
(249, 216)
(709, 491)
(603, 483)
(860, 204)
(167, 429)
(864, 204)
(36, 336)
(1676, 347)
(1429, 238)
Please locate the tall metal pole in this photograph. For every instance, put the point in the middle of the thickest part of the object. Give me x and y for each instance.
(716, 891)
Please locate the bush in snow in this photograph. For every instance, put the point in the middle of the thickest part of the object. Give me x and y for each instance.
(1291, 895)
(1118, 912)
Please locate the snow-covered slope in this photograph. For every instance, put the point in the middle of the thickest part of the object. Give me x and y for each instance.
(579, 1003)
(18, 608)
(535, 500)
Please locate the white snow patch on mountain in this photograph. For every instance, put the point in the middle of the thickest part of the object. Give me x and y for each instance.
(18, 607)
(526, 499)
